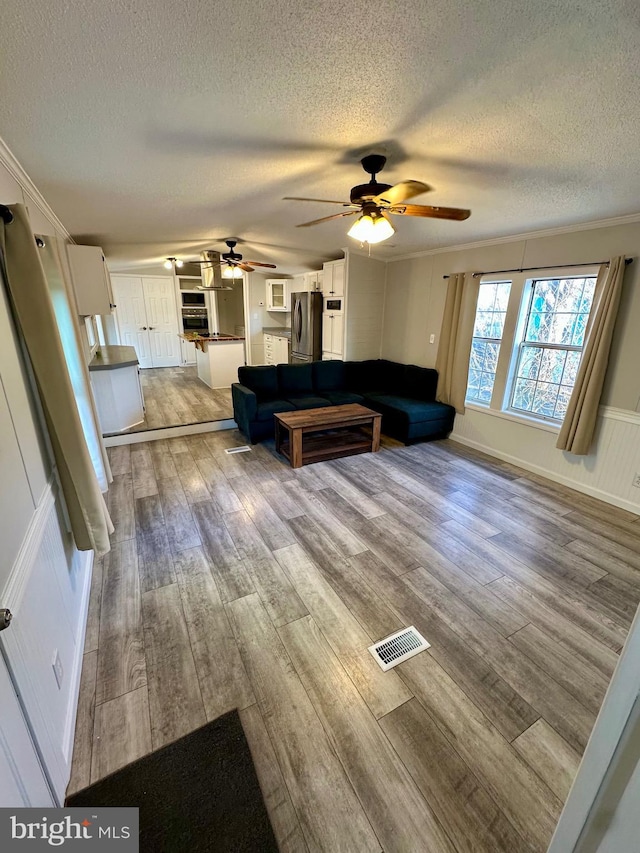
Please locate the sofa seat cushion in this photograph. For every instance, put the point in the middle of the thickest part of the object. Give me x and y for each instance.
(309, 402)
(415, 411)
(341, 398)
(269, 408)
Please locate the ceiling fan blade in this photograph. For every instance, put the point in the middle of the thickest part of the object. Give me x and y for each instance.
(244, 267)
(259, 264)
(455, 213)
(320, 200)
(401, 192)
(327, 218)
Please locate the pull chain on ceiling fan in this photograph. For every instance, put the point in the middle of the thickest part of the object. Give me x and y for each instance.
(374, 202)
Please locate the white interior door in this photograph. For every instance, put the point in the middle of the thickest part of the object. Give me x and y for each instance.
(22, 781)
(131, 316)
(162, 319)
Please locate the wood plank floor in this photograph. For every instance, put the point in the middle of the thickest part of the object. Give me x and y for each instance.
(237, 582)
(174, 396)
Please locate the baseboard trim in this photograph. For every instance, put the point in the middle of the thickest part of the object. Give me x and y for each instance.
(169, 432)
(86, 558)
(600, 494)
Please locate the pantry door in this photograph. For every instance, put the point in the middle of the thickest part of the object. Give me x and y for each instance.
(162, 320)
(131, 316)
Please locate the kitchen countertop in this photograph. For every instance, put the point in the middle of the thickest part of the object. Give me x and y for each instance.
(278, 331)
(211, 338)
(112, 357)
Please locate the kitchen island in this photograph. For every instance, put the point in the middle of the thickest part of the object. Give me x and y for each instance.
(218, 358)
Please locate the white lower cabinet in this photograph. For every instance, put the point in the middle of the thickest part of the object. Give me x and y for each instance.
(276, 349)
(333, 334)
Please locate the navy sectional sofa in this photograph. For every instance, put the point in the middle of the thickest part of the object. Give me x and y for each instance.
(403, 393)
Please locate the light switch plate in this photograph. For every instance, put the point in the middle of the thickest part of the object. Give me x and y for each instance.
(432, 339)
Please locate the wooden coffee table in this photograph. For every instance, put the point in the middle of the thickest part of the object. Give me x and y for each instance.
(313, 435)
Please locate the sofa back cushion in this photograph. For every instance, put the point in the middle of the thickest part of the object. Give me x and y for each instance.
(418, 383)
(263, 381)
(329, 376)
(376, 374)
(295, 380)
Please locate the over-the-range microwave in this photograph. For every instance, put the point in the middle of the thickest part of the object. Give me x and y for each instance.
(334, 305)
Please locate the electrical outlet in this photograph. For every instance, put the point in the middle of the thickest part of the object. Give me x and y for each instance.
(636, 481)
(58, 671)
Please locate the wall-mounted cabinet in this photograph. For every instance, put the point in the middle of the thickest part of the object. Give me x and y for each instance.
(91, 280)
(333, 278)
(313, 281)
(278, 294)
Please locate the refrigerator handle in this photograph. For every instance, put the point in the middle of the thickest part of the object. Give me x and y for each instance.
(298, 320)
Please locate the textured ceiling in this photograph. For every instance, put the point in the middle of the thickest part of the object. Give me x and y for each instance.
(159, 127)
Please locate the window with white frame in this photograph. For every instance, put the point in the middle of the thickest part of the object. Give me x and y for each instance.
(491, 311)
(527, 343)
(551, 345)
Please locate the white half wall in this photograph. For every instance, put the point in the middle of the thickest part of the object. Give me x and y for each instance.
(606, 473)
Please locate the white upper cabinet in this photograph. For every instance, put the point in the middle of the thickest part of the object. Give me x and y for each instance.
(278, 294)
(313, 281)
(333, 278)
(91, 280)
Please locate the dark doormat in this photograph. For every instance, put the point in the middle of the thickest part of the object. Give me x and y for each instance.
(200, 793)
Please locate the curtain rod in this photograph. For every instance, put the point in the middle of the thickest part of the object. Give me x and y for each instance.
(627, 261)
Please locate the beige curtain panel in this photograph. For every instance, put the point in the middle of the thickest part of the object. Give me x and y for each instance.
(578, 427)
(31, 300)
(454, 349)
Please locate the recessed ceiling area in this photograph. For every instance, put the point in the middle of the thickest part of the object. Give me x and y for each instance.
(161, 128)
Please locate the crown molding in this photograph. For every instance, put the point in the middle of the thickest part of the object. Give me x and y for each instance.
(16, 170)
(628, 219)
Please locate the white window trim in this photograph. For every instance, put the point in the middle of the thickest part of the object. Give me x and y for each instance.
(521, 285)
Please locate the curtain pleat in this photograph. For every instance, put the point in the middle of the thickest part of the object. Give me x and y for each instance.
(456, 334)
(33, 308)
(578, 427)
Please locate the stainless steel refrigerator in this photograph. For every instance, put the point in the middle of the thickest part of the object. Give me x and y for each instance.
(306, 327)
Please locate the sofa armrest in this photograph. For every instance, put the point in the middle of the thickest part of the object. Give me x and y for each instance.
(245, 406)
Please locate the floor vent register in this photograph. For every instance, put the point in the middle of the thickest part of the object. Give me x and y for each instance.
(398, 647)
(244, 448)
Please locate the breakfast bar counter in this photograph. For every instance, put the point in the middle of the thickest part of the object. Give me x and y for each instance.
(218, 358)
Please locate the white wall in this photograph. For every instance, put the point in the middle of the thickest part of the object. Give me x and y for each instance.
(43, 578)
(414, 305)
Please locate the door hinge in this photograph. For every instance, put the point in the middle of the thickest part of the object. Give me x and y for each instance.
(5, 618)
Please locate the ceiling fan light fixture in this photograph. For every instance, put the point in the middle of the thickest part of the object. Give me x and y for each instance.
(230, 271)
(179, 263)
(168, 264)
(371, 228)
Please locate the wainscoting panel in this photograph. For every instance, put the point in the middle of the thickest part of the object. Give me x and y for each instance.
(607, 473)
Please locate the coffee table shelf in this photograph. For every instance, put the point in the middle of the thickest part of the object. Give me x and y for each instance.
(314, 435)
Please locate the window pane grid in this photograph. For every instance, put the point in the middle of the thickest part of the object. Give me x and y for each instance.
(550, 352)
(491, 312)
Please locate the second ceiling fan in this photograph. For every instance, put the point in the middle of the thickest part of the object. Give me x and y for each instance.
(232, 261)
(374, 202)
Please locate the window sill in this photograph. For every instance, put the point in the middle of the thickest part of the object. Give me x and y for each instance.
(524, 420)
